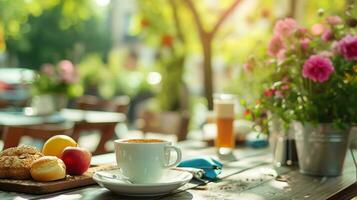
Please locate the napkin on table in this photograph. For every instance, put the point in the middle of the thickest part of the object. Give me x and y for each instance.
(206, 167)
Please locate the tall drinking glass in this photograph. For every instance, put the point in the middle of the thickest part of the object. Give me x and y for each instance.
(224, 116)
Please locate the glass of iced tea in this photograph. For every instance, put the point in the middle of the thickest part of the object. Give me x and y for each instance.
(224, 117)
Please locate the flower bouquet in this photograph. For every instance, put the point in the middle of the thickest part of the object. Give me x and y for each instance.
(314, 89)
(53, 85)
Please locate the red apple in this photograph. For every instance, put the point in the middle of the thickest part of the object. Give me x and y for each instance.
(76, 159)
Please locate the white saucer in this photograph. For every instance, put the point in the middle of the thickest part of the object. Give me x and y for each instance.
(172, 180)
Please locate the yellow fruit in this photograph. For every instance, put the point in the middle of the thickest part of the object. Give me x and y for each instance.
(56, 144)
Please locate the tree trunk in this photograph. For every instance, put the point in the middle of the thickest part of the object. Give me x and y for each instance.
(291, 8)
(207, 69)
(206, 38)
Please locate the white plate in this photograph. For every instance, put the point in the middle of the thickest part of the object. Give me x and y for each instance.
(172, 180)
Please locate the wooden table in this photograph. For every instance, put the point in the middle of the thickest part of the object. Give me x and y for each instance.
(247, 174)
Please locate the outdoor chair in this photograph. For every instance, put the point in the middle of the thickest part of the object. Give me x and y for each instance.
(13, 134)
(106, 131)
(172, 123)
(118, 104)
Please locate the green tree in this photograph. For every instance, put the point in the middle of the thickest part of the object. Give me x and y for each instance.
(14, 13)
(64, 29)
(167, 36)
(171, 28)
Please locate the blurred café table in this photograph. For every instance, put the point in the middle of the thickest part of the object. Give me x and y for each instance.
(84, 120)
(18, 117)
(249, 174)
(14, 86)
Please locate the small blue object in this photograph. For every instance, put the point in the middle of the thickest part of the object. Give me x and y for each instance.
(257, 143)
(211, 166)
(256, 140)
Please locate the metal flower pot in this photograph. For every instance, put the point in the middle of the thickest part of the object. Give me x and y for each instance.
(43, 104)
(46, 104)
(321, 148)
(60, 101)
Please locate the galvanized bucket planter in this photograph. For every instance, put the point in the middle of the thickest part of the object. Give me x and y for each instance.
(321, 148)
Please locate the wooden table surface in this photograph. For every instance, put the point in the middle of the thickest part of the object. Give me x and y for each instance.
(247, 174)
(18, 117)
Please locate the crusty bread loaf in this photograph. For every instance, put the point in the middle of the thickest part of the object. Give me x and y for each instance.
(48, 168)
(15, 162)
(16, 151)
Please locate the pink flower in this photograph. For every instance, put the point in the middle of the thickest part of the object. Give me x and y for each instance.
(304, 43)
(317, 29)
(317, 68)
(285, 27)
(327, 35)
(335, 47)
(285, 87)
(281, 55)
(248, 67)
(333, 20)
(67, 71)
(275, 46)
(279, 94)
(347, 47)
(48, 69)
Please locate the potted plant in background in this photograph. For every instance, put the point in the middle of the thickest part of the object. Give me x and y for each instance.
(53, 86)
(314, 89)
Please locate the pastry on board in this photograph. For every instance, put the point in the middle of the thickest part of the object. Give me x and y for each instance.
(48, 168)
(15, 162)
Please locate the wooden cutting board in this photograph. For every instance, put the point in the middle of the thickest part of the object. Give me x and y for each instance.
(35, 187)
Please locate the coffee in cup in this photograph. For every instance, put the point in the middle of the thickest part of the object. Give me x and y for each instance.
(144, 160)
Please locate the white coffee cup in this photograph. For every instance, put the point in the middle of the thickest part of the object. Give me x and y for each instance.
(144, 160)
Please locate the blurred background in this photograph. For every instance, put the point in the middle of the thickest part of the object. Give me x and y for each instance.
(157, 59)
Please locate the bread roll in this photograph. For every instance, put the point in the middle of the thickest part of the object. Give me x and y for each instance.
(48, 168)
(15, 162)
